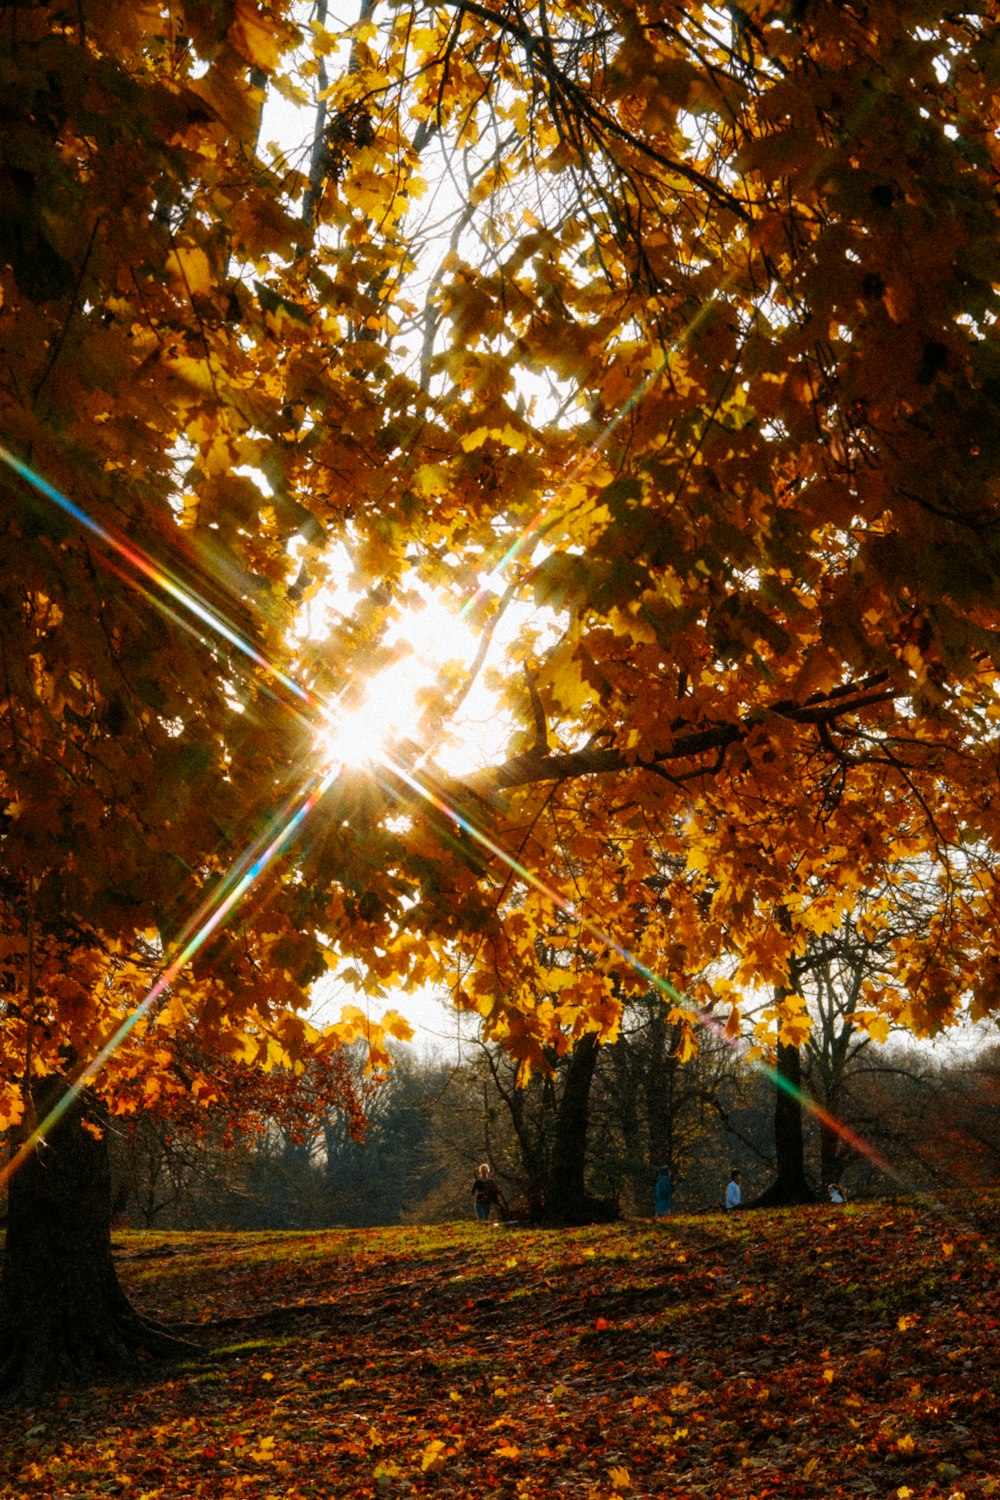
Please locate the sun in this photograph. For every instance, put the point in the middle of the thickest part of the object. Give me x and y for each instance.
(358, 732)
(362, 727)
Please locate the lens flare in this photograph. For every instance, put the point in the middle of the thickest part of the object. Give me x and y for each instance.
(359, 732)
(352, 736)
(209, 916)
(163, 580)
(360, 729)
(699, 1014)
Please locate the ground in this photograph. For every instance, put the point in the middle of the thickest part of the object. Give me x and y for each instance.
(812, 1352)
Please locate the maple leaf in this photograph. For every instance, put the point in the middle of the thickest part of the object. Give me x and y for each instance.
(432, 1459)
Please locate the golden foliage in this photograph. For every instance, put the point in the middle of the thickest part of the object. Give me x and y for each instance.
(756, 263)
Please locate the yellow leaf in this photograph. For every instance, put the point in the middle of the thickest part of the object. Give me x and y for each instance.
(508, 1450)
(512, 438)
(11, 1111)
(430, 479)
(264, 1451)
(687, 1047)
(397, 1026)
(433, 1457)
(877, 1027)
(620, 1478)
(192, 268)
(257, 37)
(794, 1032)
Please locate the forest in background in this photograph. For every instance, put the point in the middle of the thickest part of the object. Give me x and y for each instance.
(929, 1118)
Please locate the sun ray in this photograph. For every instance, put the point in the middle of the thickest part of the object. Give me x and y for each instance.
(212, 913)
(163, 580)
(699, 1014)
(344, 730)
(341, 726)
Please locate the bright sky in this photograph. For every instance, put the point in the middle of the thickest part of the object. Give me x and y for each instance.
(387, 707)
(384, 709)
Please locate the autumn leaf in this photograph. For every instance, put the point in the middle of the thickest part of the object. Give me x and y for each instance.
(432, 1459)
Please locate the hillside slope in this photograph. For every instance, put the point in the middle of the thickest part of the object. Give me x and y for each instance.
(810, 1352)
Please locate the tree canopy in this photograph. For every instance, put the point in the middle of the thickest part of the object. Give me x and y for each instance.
(667, 332)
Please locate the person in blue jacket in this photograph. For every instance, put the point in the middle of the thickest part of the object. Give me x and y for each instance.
(663, 1193)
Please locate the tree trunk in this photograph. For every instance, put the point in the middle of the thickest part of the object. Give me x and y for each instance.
(63, 1315)
(829, 1148)
(790, 1184)
(566, 1198)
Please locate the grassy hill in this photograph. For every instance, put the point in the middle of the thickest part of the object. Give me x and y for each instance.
(810, 1352)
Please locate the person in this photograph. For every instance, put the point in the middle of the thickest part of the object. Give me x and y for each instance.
(734, 1192)
(485, 1195)
(837, 1194)
(663, 1193)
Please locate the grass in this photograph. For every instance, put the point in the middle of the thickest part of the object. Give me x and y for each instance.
(810, 1352)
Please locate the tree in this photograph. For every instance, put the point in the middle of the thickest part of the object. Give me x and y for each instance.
(548, 1126)
(961, 1142)
(846, 989)
(704, 386)
(380, 1177)
(931, 1115)
(843, 969)
(652, 1107)
(789, 694)
(146, 738)
(791, 1184)
(583, 1138)
(187, 1163)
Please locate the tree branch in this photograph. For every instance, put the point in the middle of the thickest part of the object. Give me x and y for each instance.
(564, 92)
(538, 765)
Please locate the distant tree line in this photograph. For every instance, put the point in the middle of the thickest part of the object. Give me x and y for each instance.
(583, 1142)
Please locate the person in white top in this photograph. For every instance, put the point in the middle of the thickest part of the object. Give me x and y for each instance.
(734, 1193)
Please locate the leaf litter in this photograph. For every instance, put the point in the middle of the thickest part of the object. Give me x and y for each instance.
(802, 1352)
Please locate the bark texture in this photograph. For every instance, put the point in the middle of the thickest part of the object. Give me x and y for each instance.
(63, 1314)
(566, 1198)
(790, 1184)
